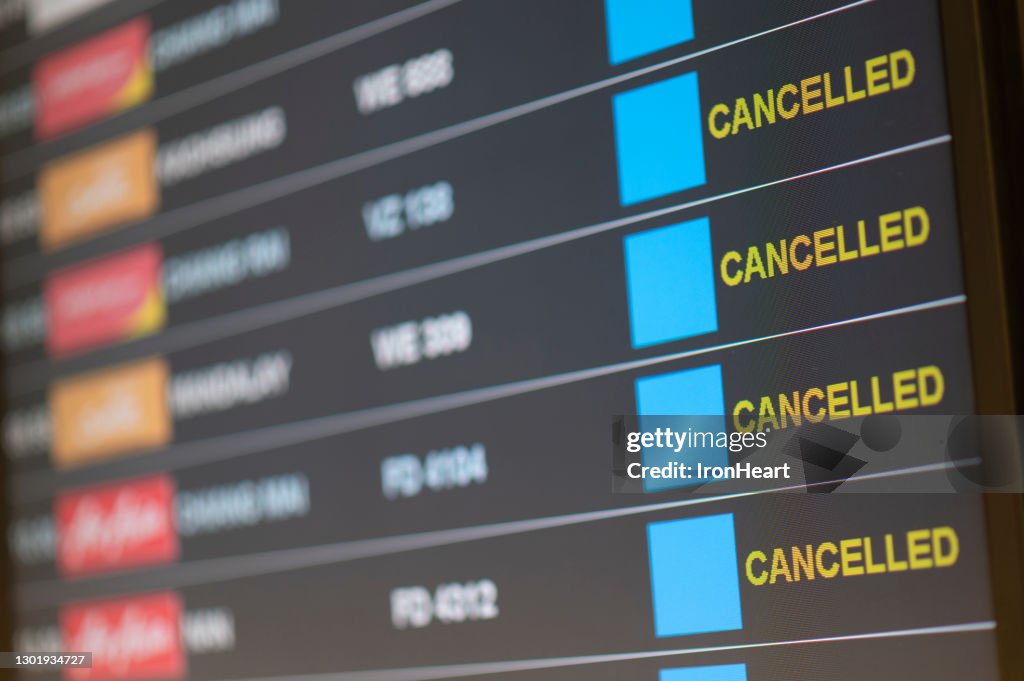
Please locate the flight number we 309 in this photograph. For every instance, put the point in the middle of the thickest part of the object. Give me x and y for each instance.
(411, 342)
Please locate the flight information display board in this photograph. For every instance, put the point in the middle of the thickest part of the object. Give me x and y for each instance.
(317, 315)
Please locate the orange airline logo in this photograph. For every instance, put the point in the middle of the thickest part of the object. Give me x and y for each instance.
(98, 189)
(108, 412)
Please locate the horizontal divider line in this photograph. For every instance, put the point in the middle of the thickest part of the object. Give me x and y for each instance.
(27, 487)
(26, 378)
(19, 55)
(191, 215)
(483, 668)
(43, 594)
(201, 93)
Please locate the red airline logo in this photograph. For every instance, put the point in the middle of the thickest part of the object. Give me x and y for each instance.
(116, 526)
(135, 638)
(117, 298)
(101, 76)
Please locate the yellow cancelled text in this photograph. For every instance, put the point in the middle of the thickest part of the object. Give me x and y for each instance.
(887, 233)
(925, 549)
(874, 77)
(899, 391)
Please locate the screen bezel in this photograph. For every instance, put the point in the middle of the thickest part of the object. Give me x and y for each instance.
(982, 61)
(982, 46)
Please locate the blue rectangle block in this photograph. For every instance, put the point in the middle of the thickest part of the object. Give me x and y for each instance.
(670, 282)
(725, 672)
(696, 397)
(659, 139)
(694, 576)
(639, 27)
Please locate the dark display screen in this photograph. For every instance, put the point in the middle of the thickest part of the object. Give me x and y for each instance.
(318, 316)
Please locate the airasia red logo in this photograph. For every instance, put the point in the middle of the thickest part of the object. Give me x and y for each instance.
(114, 527)
(136, 638)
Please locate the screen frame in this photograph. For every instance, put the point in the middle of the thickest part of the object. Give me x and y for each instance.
(984, 62)
(982, 75)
